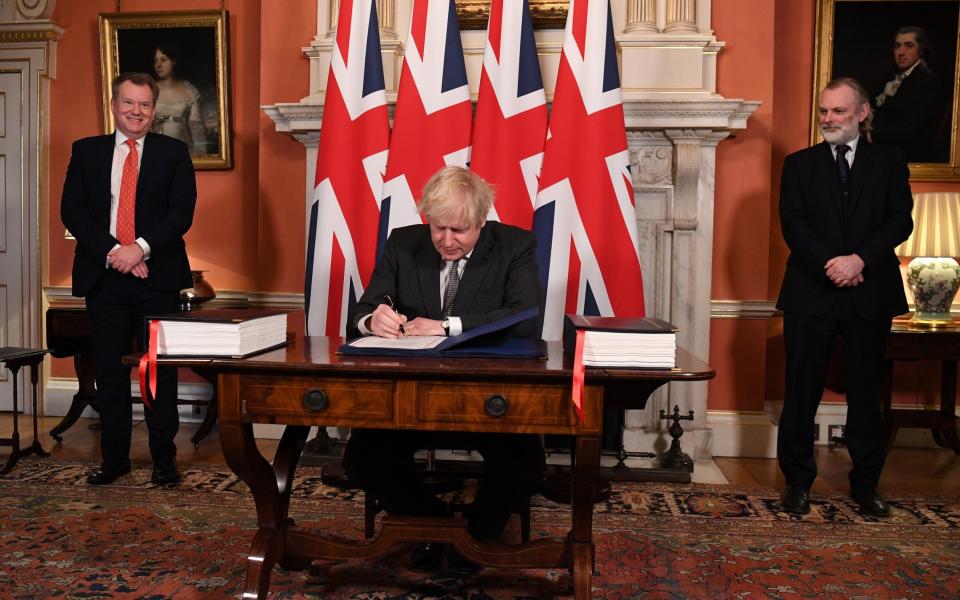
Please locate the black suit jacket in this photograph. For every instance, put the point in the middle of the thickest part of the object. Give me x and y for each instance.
(913, 118)
(166, 196)
(500, 278)
(879, 219)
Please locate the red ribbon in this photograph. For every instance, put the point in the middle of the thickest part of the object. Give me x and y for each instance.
(577, 395)
(148, 360)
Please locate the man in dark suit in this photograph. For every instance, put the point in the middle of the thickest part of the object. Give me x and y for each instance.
(128, 199)
(909, 110)
(446, 277)
(845, 205)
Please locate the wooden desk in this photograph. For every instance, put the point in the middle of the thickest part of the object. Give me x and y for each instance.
(908, 342)
(308, 384)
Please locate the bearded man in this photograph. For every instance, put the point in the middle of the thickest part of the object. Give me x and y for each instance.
(845, 204)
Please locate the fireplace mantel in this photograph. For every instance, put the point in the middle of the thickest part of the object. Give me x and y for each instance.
(674, 119)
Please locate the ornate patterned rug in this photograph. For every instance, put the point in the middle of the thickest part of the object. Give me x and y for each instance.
(60, 538)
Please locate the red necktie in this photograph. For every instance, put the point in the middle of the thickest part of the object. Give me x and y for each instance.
(126, 210)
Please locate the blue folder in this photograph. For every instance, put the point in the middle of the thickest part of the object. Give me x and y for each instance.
(481, 341)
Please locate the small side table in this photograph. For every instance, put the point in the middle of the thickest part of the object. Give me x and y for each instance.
(15, 358)
(910, 342)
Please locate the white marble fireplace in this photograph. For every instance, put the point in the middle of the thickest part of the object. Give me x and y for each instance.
(674, 120)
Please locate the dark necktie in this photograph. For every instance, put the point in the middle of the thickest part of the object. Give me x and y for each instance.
(453, 282)
(843, 171)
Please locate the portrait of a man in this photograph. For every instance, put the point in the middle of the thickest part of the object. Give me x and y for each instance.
(904, 54)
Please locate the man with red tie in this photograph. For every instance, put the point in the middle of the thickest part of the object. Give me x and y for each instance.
(128, 199)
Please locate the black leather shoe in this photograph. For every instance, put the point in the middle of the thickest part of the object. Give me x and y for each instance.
(871, 502)
(796, 500)
(105, 475)
(165, 471)
(427, 557)
(460, 565)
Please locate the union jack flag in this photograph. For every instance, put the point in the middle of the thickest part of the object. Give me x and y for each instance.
(351, 158)
(585, 219)
(511, 121)
(431, 122)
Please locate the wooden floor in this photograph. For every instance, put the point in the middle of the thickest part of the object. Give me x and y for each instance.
(908, 470)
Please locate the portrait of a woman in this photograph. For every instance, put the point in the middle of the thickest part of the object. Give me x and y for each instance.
(178, 107)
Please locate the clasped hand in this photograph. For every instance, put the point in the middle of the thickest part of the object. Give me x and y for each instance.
(845, 271)
(128, 259)
(388, 323)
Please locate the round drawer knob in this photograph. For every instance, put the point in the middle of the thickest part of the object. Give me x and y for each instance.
(316, 399)
(496, 406)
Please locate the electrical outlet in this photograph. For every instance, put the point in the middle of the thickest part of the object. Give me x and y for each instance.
(816, 432)
(835, 432)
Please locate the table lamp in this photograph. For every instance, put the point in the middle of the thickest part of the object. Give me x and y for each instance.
(933, 275)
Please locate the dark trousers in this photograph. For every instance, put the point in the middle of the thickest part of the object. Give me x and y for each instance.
(382, 463)
(117, 306)
(809, 342)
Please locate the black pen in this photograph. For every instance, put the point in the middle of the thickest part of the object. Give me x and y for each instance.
(389, 301)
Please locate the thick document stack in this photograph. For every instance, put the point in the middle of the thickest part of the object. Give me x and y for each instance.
(484, 341)
(218, 332)
(639, 342)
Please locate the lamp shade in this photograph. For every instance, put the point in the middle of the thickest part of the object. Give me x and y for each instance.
(936, 226)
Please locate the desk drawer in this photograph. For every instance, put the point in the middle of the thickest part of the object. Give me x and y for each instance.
(521, 406)
(360, 400)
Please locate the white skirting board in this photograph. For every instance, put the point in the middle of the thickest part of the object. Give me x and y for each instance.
(58, 396)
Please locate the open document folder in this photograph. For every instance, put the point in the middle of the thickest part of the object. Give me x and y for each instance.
(479, 341)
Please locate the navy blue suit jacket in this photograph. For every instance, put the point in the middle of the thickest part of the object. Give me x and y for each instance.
(166, 196)
(500, 278)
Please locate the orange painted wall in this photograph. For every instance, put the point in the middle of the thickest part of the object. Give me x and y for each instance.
(249, 230)
(248, 227)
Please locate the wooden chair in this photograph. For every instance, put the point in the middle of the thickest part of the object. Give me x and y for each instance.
(371, 508)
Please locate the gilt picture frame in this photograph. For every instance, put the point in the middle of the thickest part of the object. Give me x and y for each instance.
(545, 14)
(187, 53)
(855, 38)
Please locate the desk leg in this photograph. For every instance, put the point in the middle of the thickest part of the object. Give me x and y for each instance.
(586, 468)
(271, 486)
(946, 436)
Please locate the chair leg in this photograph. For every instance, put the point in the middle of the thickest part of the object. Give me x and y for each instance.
(370, 509)
(524, 511)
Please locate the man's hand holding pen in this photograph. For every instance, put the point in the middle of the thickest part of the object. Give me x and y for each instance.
(386, 321)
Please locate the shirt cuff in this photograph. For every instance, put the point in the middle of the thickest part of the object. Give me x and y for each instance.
(362, 325)
(144, 246)
(456, 327)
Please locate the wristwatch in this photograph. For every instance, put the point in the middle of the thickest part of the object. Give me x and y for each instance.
(446, 326)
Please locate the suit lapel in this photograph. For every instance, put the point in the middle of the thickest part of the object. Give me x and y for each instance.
(473, 275)
(428, 267)
(863, 165)
(109, 143)
(827, 165)
(148, 163)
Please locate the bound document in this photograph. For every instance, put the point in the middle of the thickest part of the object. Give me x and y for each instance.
(639, 342)
(484, 341)
(233, 332)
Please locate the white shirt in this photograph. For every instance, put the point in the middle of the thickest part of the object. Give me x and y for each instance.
(850, 153)
(120, 152)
